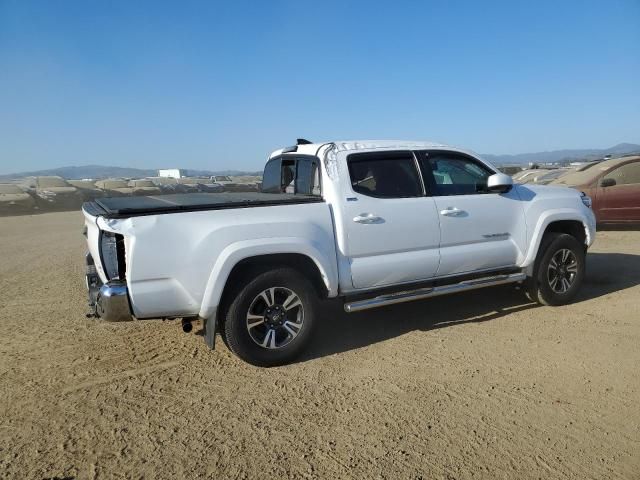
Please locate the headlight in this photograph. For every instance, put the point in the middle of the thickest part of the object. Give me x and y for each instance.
(586, 199)
(112, 254)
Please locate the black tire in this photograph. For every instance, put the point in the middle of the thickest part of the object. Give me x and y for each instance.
(236, 331)
(541, 287)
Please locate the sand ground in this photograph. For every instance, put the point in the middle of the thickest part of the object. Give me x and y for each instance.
(480, 385)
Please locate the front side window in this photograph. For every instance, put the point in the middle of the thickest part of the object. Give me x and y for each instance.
(385, 174)
(450, 174)
(626, 174)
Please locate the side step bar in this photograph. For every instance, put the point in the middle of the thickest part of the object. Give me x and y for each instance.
(429, 292)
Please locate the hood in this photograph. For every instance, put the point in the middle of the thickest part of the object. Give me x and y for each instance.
(529, 190)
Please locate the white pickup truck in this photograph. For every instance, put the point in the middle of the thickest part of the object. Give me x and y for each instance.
(372, 222)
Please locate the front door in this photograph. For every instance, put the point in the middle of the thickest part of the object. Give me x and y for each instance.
(619, 198)
(391, 228)
(479, 230)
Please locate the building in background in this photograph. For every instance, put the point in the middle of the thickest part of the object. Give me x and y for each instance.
(171, 173)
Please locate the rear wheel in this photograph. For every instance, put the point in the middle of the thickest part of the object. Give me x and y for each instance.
(269, 322)
(558, 271)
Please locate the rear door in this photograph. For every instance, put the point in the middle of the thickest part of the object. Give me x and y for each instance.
(479, 230)
(620, 200)
(391, 226)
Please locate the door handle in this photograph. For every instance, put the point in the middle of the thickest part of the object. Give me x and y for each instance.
(367, 218)
(453, 212)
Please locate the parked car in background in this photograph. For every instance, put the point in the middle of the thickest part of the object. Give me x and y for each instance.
(191, 184)
(529, 176)
(54, 193)
(222, 179)
(115, 187)
(549, 177)
(144, 187)
(206, 185)
(14, 200)
(587, 165)
(614, 188)
(87, 189)
(166, 185)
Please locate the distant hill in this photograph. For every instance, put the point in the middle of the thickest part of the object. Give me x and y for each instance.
(563, 155)
(99, 171)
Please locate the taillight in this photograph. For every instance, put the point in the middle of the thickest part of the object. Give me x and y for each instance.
(112, 255)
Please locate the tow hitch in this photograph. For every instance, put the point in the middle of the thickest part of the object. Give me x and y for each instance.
(186, 325)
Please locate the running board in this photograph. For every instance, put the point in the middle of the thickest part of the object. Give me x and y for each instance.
(429, 292)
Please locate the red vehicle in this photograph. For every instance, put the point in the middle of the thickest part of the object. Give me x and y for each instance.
(614, 187)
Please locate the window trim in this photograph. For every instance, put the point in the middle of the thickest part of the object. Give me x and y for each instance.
(430, 182)
(409, 154)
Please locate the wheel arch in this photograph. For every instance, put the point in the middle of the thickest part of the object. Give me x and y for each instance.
(238, 259)
(559, 222)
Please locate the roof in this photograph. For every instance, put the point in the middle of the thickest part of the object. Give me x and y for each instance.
(313, 148)
(584, 177)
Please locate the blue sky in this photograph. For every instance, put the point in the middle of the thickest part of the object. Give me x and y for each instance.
(217, 85)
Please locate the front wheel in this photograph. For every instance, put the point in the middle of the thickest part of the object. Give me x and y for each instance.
(270, 320)
(559, 270)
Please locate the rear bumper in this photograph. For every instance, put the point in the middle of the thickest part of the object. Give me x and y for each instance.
(112, 302)
(109, 301)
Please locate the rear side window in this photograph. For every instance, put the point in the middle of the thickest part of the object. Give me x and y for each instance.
(626, 174)
(450, 174)
(384, 174)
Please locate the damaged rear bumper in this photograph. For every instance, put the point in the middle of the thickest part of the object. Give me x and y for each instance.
(108, 301)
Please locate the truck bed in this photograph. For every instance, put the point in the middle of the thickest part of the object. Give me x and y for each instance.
(123, 207)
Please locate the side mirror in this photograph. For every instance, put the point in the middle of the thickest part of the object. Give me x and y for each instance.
(499, 183)
(607, 182)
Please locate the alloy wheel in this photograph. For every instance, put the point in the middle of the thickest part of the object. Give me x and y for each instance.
(562, 270)
(275, 317)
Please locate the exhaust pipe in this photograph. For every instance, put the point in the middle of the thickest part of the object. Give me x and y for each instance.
(186, 325)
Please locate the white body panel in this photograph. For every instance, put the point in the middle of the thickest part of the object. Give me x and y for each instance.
(178, 263)
(485, 231)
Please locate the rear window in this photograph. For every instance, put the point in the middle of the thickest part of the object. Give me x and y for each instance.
(292, 174)
(384, 175)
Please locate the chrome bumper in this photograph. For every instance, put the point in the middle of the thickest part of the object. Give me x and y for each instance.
(109, 301)
(112, 302)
